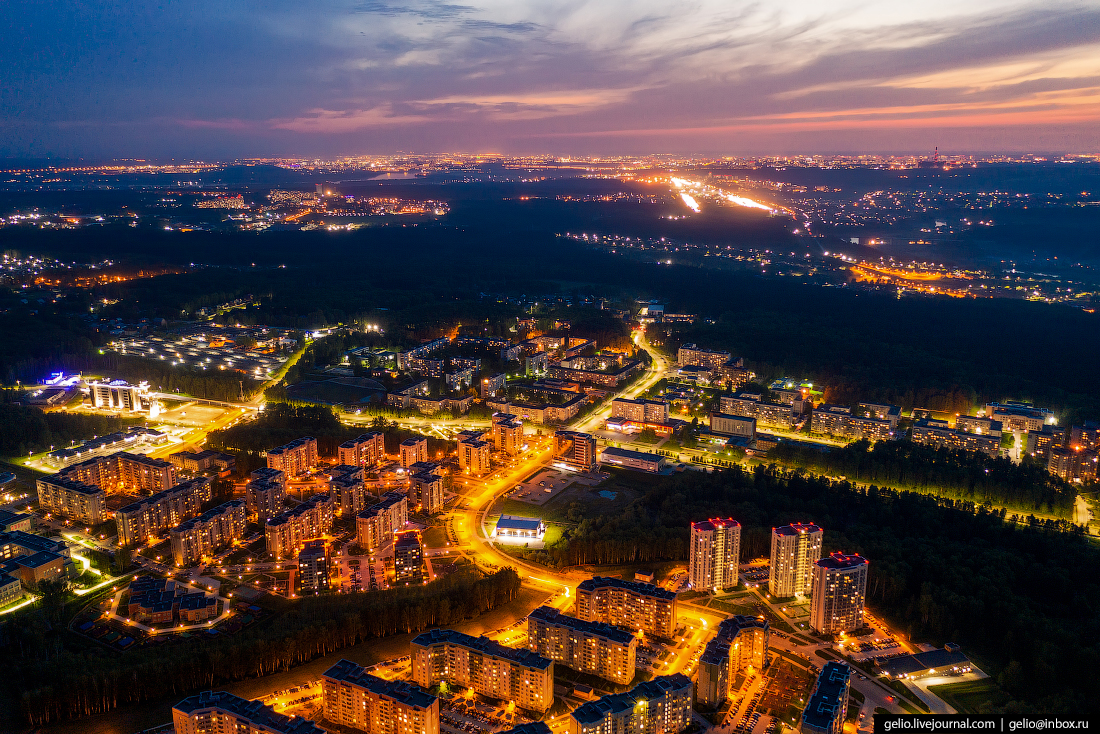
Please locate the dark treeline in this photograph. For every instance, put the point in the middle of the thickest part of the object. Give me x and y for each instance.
(24, 429)
(1022, 597)
(53, 685)
(281, 423)
(961, 475)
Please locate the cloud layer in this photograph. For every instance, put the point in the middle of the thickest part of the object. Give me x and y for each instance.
(229, 78)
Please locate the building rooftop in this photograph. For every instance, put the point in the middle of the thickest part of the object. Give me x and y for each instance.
(520, 656)
(594, 711)
(628, 454)
(826, 702)
(638, 587)
(796, 528)
(254, 711)
(838, 560)
(535, 727)
(517, 522)
(296, 443)
(554, 616)
(715, 523)
(921, 661)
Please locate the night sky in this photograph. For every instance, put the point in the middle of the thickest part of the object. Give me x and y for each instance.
(330, 77)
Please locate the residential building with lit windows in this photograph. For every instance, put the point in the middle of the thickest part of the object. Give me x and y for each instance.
(1086, 436)
(631, 604)
(575, 450)
(473, 452)
(507, 433)
(741, 642)
(426, 491)
(122, 472)
(795, 549)
(838, 592)
(1019, 417)
(714, 555)
(376, 525)
(313, 572)
(150, 516)
(1072, 464)
(346, 486)
(658, 706)
(213, 530)
(485, 666)
(828, 705)
(1040, 443)
(120, 396)
(587, 647)
(408, 558)
(640, 411)
(694, 356)
(840, 421)
(265, 493)
(295, 458)
(220, 712)
(354, 698)
(413, 450)
(288, 531)
(740, 426)
(367, 450)
(85, 503)
(752, 405)
(937, 433)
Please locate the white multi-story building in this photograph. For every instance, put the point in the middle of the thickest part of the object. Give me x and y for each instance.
(658, 706)
(714, 554)
(354, 698)
(588, 647)
(838, 593)
(795, 549)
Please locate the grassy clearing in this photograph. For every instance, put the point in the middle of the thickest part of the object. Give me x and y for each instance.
(968, 696)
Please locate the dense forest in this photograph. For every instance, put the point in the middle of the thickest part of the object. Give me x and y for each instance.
(25, 429)
(1022, 597)
(52, 682)
(961, 475)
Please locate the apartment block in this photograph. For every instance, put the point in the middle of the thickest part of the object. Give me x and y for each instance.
(1073, 465)
(795, 549)
(631, 604)
(295, 458)
(1019, 417)
(507, 433)
(659, 706)
(588, 647)
(576, 450)
(840, 421)
(214, 529)
(473, 452)
(694, 356)
(485, 666)
(838, 592)
(413, 450)
(313, 574)
(1039, 443)
(936, 433)
(715, 554)
(288, 531)
(346, 486)
(740, 426)
(123, 472)
(408, 558)
(219, 712)
(491, 385)
(641, 411)
(356, 699)
(741, 642)
(751, 405)
(85, 503)
(149, 516)
(1086, 436)
(828, 705)
(376, 525)
(367, 450)
(426, 491)
(265, 493)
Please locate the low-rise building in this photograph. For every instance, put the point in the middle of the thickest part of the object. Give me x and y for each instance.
(220, 712)
(587, 647)
(485, 666)
(658, 706)
(354, 698)
(630, 604)
(638, 460)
